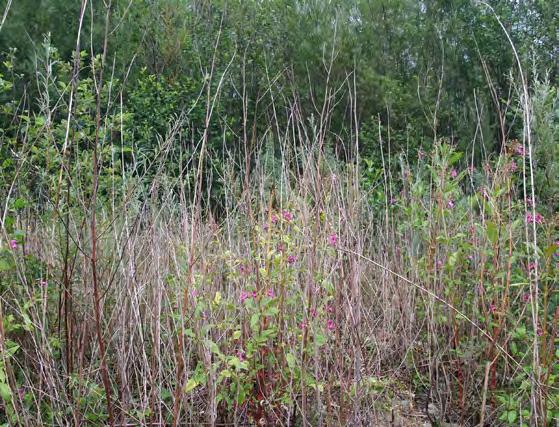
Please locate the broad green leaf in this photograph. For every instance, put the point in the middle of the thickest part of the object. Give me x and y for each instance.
(492, 232)
(5, 392)
(213, 347)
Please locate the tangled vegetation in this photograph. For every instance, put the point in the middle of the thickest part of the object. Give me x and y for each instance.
(279, 213)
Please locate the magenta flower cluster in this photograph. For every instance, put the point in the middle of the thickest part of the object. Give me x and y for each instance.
(537, 218)
(288, 216)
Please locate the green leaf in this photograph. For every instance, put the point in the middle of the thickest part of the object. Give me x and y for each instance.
(226, 373)
(254, 319)
(5, 392)
(452, 259)
(550, 250)
(271, 311)
(241, 395)
(190, 385)
(319, 339)
(455, 157)
(217, 298)
(492, 232)
(290, 360)
(213, 347)
(19, 203)
(4, 265)
(511, 416)
(520, 332)
(236, 363)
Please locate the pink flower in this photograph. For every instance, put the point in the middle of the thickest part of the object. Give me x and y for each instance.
(453, 173)
(303, 325)
(512, 166)
(492, 308)
(450, 204)
(531, 266)
(526, 297)
(270, 293)
(330, 325)
(194, 293)
(538, 218)
(254, 294)
(13, 244)
(244, 296)
(333, 239)
(274, 218)
(241, 355)
(329, 308)
(539, 331)
(520, 150)
(288, 216)
(291, 259)
(313, 312)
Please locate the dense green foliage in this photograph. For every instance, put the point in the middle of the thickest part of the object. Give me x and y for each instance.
(407, 57)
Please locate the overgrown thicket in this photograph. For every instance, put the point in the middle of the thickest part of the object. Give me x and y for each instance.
(279, 213)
